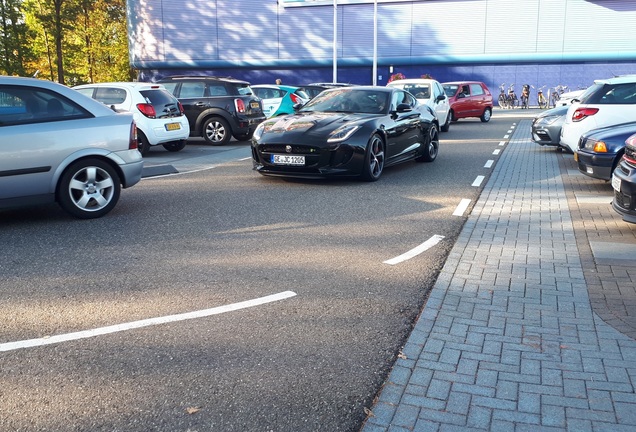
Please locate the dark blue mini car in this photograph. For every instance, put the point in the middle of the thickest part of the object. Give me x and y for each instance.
(601, 149)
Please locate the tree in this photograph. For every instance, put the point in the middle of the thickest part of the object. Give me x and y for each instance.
(14, 51)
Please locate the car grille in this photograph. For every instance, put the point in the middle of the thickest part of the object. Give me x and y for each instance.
(624, 201)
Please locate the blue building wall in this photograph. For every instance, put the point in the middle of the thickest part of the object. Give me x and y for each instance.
(538, 42)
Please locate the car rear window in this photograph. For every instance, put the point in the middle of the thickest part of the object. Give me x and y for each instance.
(610, 94)
(158, 98)
(244, 89)
(476, 89)
(110, 96)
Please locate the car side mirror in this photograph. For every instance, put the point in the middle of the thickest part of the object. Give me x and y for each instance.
(403, 107)
(441, 97)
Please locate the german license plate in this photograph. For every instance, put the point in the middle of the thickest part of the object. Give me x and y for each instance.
(254, 104)
(173, 126)
(616, 183)
(288, 160)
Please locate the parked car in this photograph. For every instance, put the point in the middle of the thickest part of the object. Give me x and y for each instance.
(600, 150)
(352, 131)
(59, 145)
(279, 99)
(217, 108)
(469, 99)
(546, 127)
(428, 92)
(568, 97)
(158, 114)
(624, 183)
(607, 102)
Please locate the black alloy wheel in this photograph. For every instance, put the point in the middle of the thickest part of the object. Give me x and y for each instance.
(373, 159)
(431, 148)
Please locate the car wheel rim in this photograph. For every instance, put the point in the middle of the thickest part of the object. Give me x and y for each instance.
(215, 131)
(376, 157)
(433, 144)
(91, 189)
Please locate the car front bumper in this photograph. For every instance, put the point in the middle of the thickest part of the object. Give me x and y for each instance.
(624, 184)
(596, 165)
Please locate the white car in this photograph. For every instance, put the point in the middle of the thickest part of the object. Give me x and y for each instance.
(159, 115)
(61, 146)
(428, 92)
(607, 102)
(568, 97)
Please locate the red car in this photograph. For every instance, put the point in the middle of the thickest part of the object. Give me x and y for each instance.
(469, 99)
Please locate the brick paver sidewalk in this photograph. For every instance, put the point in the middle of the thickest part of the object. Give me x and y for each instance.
(508, 340)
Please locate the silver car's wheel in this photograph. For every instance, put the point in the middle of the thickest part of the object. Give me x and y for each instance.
(216, 131)
(89, 189)
(374, 159)
(485, 117)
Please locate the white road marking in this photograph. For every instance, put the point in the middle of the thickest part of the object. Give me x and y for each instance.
(489, 163)
(9, 346)
(510, 131)
(506, 136)
(502, 143)
(415, 251)
(461, 208)
(478, 181)
(496, 152)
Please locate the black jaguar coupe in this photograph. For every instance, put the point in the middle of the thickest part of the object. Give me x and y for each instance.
(347, 132)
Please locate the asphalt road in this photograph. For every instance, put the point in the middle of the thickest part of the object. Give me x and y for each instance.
(274, 307)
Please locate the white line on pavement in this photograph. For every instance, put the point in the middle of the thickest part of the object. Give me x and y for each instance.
(502, 143)
(506, 136)
(9, 346)
(496, 152)
(489, 163)
(478, 181)
(461, 208)
(415, 251)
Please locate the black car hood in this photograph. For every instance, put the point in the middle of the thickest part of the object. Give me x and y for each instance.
(312, 124)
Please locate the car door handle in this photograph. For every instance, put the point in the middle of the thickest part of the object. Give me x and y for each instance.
(200, 104)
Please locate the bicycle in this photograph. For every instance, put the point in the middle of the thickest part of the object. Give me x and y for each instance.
(512, 97)
(525, 96)
(541, 99)
(556, 94)
(502, 100)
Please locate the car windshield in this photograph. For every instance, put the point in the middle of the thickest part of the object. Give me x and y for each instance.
(349, 101)
(610, 94)
(450, 90)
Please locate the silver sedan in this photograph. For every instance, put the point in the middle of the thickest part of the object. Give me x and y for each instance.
(59, 145)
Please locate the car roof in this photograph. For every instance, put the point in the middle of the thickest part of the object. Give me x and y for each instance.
(461, 82)
(203, 77)
(130, 85)
(413, 81)
(622, 79)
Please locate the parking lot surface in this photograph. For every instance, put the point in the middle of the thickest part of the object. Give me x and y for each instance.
(530, 324)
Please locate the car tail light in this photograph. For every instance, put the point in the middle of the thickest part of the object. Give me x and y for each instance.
(240, 105)
(147, 109)
(295, 99)
(181, 110)
(581, 113)
(133, 144)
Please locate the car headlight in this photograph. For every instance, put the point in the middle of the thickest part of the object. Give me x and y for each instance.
(342, 133)
(548, 120)
(258, 132)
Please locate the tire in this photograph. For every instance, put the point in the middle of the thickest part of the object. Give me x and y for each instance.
(432, 146)
(88, 189)
(244, 137)
(175, 146)
(373, 159)
(142, 144)
(446, 126)
(485, 117)
(216, 131)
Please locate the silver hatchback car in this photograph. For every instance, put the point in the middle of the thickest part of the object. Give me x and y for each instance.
(59, 145)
